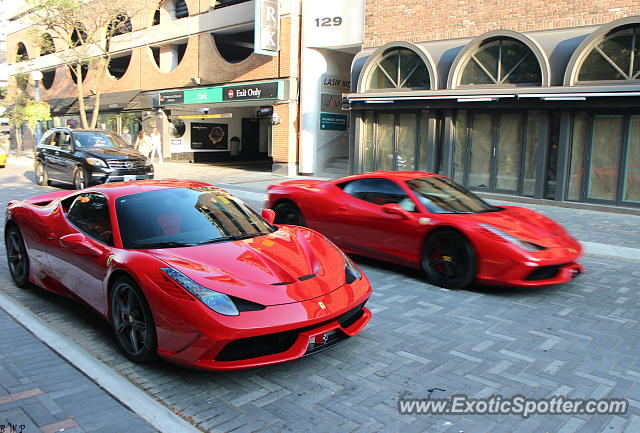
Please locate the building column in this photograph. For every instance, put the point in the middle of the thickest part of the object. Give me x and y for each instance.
(168, 57)
(285, 139)
(314, 65)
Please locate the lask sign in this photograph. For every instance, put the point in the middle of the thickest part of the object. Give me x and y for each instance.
(267, 27)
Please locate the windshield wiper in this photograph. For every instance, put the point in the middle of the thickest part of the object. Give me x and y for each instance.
(167, 244)
(230, 238)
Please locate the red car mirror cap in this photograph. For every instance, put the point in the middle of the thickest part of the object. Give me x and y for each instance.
(80, 243)
(269, 215)
(395, 209)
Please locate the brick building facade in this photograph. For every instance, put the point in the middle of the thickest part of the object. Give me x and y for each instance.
(186, 44)
(538, 99)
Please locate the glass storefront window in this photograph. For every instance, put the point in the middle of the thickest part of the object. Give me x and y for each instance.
(508, 152)
(632, 175)
(480, 151)
(576, 164)
(531, 145)
(459, 145)
(407, 137)
(384, 141)
(424, 142)
(368, 149)
(605, 152)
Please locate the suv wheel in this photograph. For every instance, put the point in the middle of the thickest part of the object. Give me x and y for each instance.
(80, 178)
(42, 177)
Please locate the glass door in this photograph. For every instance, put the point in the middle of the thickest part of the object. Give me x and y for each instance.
(632, 163)
(603, 164)
(480, 150)
(507, 152)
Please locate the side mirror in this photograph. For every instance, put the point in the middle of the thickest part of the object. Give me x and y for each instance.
(80, 243)
(395, 209)
(269, 215)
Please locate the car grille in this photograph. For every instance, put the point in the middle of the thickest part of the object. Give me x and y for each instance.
(544, 273)
(264, 345)
(126, 164)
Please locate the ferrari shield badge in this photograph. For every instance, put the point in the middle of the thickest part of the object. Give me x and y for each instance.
(424, 221)
(322, 305)
(110, 259)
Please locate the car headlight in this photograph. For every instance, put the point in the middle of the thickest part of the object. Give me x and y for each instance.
(525, 245)
(218, 302)
(147, 162)
(96, 162)
(351, 271)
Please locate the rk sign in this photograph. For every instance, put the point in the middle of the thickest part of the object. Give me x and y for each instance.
(267, 27)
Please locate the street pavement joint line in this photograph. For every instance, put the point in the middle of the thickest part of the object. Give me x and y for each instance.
(159, 416)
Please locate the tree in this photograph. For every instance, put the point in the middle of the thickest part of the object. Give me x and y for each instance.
(30, 113)
(86, 28)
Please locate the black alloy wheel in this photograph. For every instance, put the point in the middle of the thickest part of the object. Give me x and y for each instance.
(132, 321)
(17, 256)
(80, 178)
(42, 177)
(288, 213)
(448, 259)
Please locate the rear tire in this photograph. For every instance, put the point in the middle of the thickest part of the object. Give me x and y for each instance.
(132, 321)
(42, 177)
(449, 260)
(80, 178)
(17, 256)
(288, 213)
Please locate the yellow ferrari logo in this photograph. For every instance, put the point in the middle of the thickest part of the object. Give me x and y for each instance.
(322, 305)
(424, 221)
(447, 259)
(109, 259)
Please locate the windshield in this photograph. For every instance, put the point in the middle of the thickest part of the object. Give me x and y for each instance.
(181, 217)
(97, 139)
(441, 195)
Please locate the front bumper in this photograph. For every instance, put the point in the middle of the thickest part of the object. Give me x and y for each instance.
(276, 334)
(121, 175)
(543, 268)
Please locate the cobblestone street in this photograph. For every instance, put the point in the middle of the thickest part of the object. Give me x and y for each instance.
(578, 340)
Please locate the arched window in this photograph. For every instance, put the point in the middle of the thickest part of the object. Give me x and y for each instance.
(48, 77)
(615, 58)
(400, 68)
(501, 62)
(21, 53)
(120, 25)
(84, 69)
(119, 64)
(46, 45)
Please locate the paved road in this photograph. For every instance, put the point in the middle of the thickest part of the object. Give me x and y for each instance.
(579, 340)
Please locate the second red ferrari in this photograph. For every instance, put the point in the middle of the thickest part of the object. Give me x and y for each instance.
(427, 221)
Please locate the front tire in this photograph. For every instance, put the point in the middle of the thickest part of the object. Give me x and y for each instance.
(449, 260)
(19, 265)
(132, 321)
(42, 177)
(288, 213)
(80, 178)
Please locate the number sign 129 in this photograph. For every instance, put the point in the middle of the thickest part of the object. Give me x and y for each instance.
(328, 21)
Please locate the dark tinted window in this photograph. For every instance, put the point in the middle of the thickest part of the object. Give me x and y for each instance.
(441, 195)
(185, 217)
(64, 140)
(90, 214)
(97, 139)
(380, 192)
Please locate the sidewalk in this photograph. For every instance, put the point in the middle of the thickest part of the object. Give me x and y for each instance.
(41, 392)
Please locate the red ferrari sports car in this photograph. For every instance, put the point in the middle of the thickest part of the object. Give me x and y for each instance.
(427, 221)
(189, 272)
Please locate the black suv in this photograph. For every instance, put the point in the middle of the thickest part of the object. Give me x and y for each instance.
(84, 157)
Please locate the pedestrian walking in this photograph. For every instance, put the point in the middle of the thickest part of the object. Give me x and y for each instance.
(143, 143)
(156, 144)
(126, 136)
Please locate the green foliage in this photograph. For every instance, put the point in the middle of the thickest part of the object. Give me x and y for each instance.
(30, 113)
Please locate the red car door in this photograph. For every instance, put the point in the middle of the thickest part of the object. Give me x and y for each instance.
(364, 226)
(80, 246)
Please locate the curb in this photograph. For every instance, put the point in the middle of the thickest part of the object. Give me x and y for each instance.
(116, 385)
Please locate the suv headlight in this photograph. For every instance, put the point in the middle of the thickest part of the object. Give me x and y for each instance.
(218, 302)
(147, 162)
(351, 270)
(96, 162)
(525, 245)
